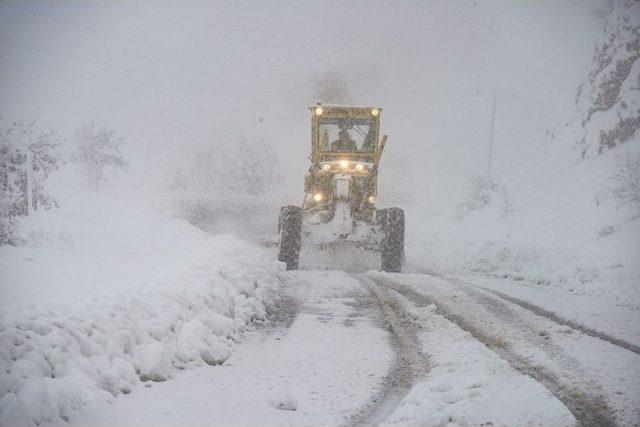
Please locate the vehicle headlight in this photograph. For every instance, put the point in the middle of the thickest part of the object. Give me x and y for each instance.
(359, 167)
(372, 199)
(375, 112)
(317, 197)
(344, 164)
(326, 167)
(318, 111)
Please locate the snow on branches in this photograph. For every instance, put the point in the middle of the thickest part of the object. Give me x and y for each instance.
(27, 158)
(483, 192)
(96, 150)
(627, 180)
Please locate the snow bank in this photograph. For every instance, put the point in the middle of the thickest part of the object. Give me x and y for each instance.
(564, 230)
(131, 296)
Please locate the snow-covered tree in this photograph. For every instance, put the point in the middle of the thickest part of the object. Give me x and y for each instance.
(98, 149)
(27, 157)
(483, 192)
(258, 171)
(232, 185)
(250, 168)
(627, 179)
(331, 87)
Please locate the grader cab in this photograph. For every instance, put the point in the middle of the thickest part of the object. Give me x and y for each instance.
(339, 206)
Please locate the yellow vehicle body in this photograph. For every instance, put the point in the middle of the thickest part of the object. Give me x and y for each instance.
(359, 160)
(339, 208)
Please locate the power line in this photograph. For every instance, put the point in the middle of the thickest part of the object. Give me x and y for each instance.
(191, 88)
(80, 26)
(103, 75)
(73, 57)
(185, 80)
(214, 86)
(102, 32)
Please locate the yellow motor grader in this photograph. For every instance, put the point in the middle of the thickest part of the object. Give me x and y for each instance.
(339, 207)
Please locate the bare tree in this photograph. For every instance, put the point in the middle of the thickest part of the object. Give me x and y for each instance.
(97, 150)
(331, 87)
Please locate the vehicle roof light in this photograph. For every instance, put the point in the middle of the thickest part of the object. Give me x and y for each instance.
(318, 111)
(375, 112)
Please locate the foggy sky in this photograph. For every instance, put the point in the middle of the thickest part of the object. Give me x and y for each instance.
(171, 76)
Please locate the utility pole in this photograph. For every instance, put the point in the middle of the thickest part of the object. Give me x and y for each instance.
(29, 185)
(493, 121)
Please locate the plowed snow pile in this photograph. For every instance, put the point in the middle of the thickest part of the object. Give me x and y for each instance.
(108, 296)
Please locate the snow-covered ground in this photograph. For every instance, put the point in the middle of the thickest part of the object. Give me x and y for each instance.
(163, 304)
(111, 293)
(558, 225)
(325, 360)
(468, 384)
(322, 355)
(598, 315)
(593, 377)
(132, 315)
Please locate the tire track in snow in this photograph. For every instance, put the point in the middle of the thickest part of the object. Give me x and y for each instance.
(564, 322)
(283, 314)
(546, 314)
(410, 363)
(590, 409)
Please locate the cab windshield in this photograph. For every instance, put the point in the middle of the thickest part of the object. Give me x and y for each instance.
(347, 135)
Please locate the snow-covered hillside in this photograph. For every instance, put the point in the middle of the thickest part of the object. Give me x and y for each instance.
(111, 293)
(562, 219)
(608, 98)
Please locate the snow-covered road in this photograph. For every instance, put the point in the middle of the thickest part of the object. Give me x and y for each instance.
(362, 349)
(594, 378)
(322, 355)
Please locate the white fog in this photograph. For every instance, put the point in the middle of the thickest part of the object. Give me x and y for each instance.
(481, 266)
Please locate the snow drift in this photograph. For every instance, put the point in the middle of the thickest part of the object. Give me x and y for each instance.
(126, 296)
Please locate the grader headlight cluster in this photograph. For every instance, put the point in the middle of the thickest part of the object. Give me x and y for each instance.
(345, 165)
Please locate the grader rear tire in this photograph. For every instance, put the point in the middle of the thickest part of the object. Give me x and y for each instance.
(391, 222)
(290, 228)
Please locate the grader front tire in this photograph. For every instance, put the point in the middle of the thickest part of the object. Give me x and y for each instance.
(290, 228)
(391, 222)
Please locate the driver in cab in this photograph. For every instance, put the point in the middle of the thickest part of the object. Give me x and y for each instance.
(344, 142)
